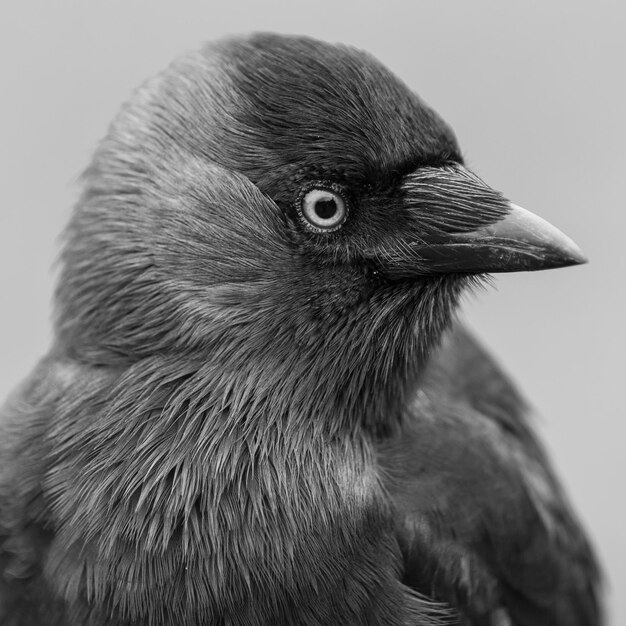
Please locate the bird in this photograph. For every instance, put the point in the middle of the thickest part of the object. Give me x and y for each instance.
(259, 406)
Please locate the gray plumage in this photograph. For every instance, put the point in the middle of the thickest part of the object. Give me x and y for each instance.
(245, 421)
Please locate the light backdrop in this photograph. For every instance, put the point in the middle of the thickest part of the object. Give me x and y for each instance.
(535, 92)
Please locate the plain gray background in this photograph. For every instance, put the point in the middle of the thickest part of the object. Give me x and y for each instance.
(535, 92)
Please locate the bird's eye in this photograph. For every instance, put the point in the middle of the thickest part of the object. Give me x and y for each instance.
(323, 210)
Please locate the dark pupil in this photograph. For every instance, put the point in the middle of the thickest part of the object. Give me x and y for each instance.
(325, 209)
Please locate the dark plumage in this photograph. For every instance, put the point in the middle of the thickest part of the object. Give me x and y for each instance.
(257, 408)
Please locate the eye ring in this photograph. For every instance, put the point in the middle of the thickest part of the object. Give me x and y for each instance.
(322, 208)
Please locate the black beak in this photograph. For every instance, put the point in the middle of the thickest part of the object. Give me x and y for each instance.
(520, 241)
(457, 223)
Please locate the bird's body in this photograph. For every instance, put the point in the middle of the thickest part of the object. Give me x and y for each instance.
(257, 409)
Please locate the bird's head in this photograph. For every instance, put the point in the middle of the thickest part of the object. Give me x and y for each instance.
(288, 203)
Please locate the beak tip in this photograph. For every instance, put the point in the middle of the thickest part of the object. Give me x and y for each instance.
(565, 260)
(578, 257)
(572, 255)
(559, 249)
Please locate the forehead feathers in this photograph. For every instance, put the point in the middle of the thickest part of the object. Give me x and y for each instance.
(275, 107)
(315, 103)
